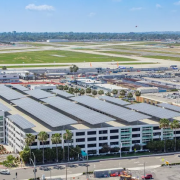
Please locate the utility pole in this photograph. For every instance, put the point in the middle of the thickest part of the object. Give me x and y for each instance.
(144, 170)
(120, 148)
(87, 168)
(34, 163)
(66, 171)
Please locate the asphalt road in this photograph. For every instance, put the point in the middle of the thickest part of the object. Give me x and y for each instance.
(135, 165)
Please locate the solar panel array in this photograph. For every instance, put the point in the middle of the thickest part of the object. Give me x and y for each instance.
(83, 113)
(111, 109)
(154, 110)
(19, 87)
(62, 93)
(9, 93)
(169, 106)
(21, 121)
(39, 94)
(114, 100)
(4, 108)
(44, 113)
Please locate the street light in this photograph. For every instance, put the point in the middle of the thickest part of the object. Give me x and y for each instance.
(34, 163)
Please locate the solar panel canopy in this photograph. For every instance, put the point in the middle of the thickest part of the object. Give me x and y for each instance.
(21, 121)
(39, 94)
(83, 113)
(44, 113)
(62, 93)
(114, 100)
(19, 87)
(4, 108)
(154, 110)
(9, 93)
(110, 109)
(169, 106)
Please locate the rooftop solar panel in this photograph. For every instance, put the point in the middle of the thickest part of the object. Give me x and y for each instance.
(154, 110)
(44, 113)
(4, 108)
(21, 121)
(10, 94)
(111, 109)
(19, 87)
(169, 106)
(39, 94)
(83, 113)
(114, 100)
(62, 93)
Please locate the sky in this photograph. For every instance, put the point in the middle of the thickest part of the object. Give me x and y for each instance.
(89, 15)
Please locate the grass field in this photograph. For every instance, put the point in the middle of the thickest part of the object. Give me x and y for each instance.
(164, 57)
(35, 44)
(48, 57)
(118, 52)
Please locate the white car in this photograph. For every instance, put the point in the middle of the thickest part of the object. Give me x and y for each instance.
(5, 171)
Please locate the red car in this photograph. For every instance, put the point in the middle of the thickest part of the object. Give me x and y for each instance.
(148, 176)
(114, 175)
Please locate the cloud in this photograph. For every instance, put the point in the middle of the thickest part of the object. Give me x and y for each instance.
(40, 7)
(136, 9)
(92, 14)
(177, 3)
(158, 6)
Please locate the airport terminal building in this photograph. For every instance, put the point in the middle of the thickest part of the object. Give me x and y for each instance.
(94, 122)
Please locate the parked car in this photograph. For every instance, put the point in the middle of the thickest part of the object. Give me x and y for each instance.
(41, 168)
(47, 169)
(5, 171)
(147, 176)
(56, 167)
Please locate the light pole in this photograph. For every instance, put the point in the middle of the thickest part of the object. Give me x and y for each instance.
(34, 163)
(120, 148)
(144, 170)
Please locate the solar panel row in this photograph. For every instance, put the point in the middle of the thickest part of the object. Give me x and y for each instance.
(39, 94)
(83, 113)
(10, 94)
(111, 109)
(154, 110)
(114, 100)
(21, 121)
(44, 113)
(19, 87)
(62, 93)
(169, 106)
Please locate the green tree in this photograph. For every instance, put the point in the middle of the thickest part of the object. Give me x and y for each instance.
(174, 126)
(114, 91)
(88, 90)
(65, 87)
(74, 68)
(4, 68)
(82, 91)
(67, 137)
(100, 92)
(71, 90)
(108, 94)
(94, 92)
(164, 123)
(29, 140)
(60, 87)
(138, 93)
(76, 90)
(130, 95)
(56, 139)
(25, 154)
(122, 92)
(105, 149)
(42, 137)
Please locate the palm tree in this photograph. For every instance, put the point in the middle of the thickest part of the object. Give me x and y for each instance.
(114, 91)
(175, 125)
(94, 92)
(100, 92)
(67, 137)
(138, 93)
(60, 87)
(29, 140)
(122, 92)
(164, 123)
(65, 87)
(42, 137)
(130, 95)
(56, 139)
(76, 90)
(82, 91)
(88, 90)
(108, 94)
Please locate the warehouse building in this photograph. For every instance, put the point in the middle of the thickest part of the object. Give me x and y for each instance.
(94, 122)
